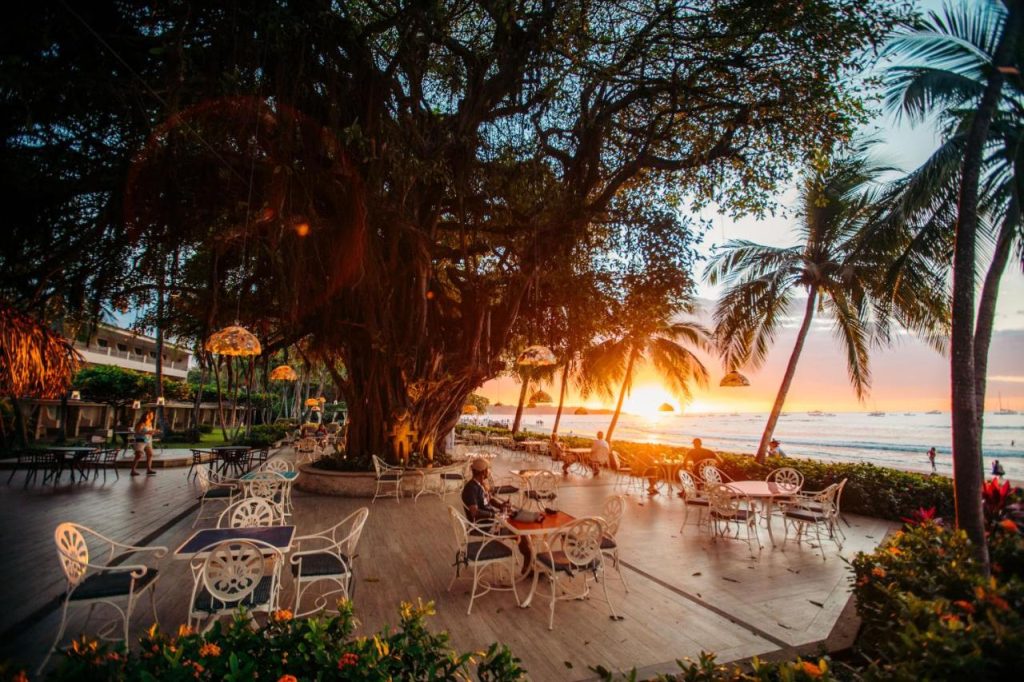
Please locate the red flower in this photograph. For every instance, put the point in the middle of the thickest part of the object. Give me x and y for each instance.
(347, 660)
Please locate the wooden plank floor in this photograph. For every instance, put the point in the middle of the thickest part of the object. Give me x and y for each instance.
(686, 593)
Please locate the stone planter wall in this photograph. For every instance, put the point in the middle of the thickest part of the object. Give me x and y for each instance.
(341, 483)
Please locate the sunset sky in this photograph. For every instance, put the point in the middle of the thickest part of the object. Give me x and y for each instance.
(909, 376)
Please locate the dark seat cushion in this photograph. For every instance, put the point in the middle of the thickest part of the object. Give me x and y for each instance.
(321, 563)
(452, 476)
(739, 515)
(608, 542)
(558, 561)
(700, 501)
(487, 551)
(390, 476)
(535, 495)
(103, 585)
(214, 493)
(504, 490)
(805, 515)
(259, 596)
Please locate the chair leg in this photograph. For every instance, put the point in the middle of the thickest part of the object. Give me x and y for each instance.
(553, 582)
(56, 641)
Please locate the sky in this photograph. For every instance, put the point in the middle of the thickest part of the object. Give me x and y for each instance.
(907, 376)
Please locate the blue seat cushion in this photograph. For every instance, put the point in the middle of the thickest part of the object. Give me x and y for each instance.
(258, 597)
(322, 563)
(103, 585)
(558, 561)
(487, 551)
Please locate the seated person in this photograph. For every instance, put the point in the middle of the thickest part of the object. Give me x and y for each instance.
(555, 448)
(475, 497)
(600, 453)
(774, 450)
(698, 453)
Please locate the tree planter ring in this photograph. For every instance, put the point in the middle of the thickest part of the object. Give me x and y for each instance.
(339, 483)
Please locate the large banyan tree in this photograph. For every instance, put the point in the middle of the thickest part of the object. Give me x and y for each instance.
(385, 184)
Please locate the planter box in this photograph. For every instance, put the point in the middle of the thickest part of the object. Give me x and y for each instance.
(340, 483)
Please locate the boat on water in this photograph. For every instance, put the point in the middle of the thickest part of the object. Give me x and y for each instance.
(876, 414)
(934, 412)
(909, 414)
(1003, 410)
(815, 413)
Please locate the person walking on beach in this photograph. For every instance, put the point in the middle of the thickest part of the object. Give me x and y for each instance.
(931, 458)
(144, 430)
(997, 469)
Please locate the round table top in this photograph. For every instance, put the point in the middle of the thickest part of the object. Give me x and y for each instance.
(762, 489)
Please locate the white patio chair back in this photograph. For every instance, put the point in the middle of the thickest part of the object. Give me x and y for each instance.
(387, 477)
(305, 445)
(72, 551)
(278, 464)
(788, 479)
(250, 512)
(266, 484)
(574, 551)
(612, 511)
(816, 510)
(542, 489)
(581, 542)
(724, 501)
(710, 473)
(234, 573)
(725, 508)
(687, 485)
(691, 498)
(202, 478)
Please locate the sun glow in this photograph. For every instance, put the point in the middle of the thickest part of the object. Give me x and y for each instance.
(646, 400)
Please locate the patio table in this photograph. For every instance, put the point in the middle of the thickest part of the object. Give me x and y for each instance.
(550, 523)
(233, 457)
(768, 491)
(534, 445)
(77, 454)
(277, 536)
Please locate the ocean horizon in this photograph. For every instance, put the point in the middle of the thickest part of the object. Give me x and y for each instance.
(896, 440)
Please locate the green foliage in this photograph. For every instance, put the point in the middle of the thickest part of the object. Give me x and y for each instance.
(479, 402)
(929, 612)
(205, 428)
(112, 385)
(292, 649)
(264, 435)
(704, 669)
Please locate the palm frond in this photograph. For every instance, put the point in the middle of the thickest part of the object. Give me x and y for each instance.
(602, 366)
(677, 365)
(850, 330)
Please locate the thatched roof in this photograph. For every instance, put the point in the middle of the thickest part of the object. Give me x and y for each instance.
(35, 361)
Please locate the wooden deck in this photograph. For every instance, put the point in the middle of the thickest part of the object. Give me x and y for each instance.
(686, 594)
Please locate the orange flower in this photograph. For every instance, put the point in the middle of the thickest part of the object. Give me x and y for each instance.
(949, 618)
(895, 551)
(185, 631)
(282, 616)
(878, 572)
(209, 649)
(999, 602)
(965, 605)
(1008, 524)
(812, 669)
(287, 678)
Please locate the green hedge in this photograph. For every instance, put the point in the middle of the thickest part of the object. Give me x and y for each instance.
(264, 435)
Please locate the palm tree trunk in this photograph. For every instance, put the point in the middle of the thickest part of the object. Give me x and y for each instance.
(627, 380)
(967, 476)
(522, 400)
(787, 378)
(561, 397)
(987, 312)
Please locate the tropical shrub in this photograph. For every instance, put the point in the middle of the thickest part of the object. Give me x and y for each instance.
(287, 649)
(264, 435)
(205, 428)
(705, 669)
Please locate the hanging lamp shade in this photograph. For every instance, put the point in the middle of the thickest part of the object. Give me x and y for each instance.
(234, 340)
(312, 402)
(666, 407)
(733, 380)
(469, 409)
(283, 373)
(540, 397)
(537, 356)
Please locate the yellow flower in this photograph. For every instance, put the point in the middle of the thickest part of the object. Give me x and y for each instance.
(209, 649)
(812, 669)
(153, 630)
(185, 631)
(282, 616)
(382, 647)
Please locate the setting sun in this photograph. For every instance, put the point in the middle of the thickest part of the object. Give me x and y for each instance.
(646, 401)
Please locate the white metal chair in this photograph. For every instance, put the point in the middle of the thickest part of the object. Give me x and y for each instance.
(327, 556)
(389, 478)
(541, 490)
(277, 464)
(819, 510)
(509, 488)
(271, 486)
(614, 508)
(250, 512)
(233, 574)
(788, 479)
(446, 479)
(214, 489)
(691, 498)
(711, 474)
(631, 474)
(726, 507)
(573, 551)
(93, 584)
(478, 549)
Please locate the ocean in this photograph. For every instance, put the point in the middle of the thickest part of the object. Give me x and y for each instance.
(898, 440)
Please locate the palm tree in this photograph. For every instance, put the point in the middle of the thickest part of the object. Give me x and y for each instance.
(838, 264)
(996, 28)
(649, 338)
(958, 47)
